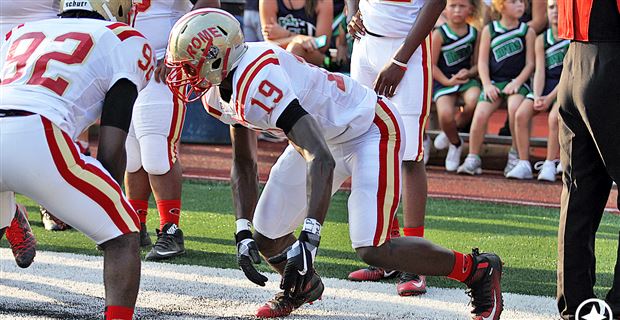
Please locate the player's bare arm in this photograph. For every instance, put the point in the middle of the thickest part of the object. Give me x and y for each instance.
(244, 181)
(392, 73)
(305, 135)
(115, 120)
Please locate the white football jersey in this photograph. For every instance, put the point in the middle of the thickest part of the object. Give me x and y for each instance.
(390, 18)
(14, 12)
(155, 20)
(268, 78)
(63, 68)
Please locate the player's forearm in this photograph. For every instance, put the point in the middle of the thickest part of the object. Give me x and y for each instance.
(319, 184)
(421, 29)
(111, 151)
(244, 182)
(352, 7)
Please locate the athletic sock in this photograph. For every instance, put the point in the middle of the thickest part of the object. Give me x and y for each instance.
(141, 207)
(395, 231)
(414, 232)
(118, 313)
(463, 266)
(169, 211)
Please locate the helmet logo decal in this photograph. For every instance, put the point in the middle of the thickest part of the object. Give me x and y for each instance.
(204, 36)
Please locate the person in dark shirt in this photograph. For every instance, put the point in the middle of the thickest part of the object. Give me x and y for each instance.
(589, 97)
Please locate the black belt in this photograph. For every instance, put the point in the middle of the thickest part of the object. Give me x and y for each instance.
(374, 34)
(14, 113)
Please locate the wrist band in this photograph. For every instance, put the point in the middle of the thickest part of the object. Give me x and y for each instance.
(243, 224)
(312, 226)
(401, 65)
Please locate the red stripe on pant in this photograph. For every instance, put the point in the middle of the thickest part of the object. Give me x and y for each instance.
(86, 188)
(426, 99)
(383, 158)
(172, 140)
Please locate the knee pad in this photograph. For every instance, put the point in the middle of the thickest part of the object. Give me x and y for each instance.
(132, 147)
(157, 158)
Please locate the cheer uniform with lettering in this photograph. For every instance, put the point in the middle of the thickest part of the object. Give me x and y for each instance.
(555, 50)
(388, 22)
(158, 116)
(456, 54)
(54, 77)
(364, 133)
(507, 56)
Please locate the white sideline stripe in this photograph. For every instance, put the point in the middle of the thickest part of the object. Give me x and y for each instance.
(71, 285)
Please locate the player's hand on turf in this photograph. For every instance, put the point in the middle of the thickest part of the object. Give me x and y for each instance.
(299, 257)
(491, 92)
(388, 79)
(161, 72)
(247, 256)
(356, 27)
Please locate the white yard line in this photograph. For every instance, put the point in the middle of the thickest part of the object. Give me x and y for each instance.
(63, 285)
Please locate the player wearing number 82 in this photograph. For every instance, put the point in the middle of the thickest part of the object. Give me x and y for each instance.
(337, 129)
(58, 76)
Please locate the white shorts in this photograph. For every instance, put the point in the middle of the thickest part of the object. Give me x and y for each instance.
(373, 162)
(155, 130)
(413, 94)
(41, 162)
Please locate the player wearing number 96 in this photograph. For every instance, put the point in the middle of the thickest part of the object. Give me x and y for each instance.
(58, 77)
(337, 129)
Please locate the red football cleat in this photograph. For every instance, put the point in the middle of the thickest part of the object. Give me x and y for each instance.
(485, 286)
(372, 274)
(282, 305)
(410, 284)
(20, 237)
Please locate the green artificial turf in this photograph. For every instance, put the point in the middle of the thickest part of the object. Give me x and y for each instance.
(524, 236)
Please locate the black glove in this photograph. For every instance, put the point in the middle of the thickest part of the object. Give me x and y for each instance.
(299, 268)
(247, 254)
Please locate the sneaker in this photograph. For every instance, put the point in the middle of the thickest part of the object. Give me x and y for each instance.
(410, 284)
(21, 239)
(546, 170)
(513, 159)
(472, 165)
(372, 274)
(453, 158)
(282, 305)
(485, 286)
(427, 148)
(169, 243)
(271, 137)
(521, 171)
(441, 141)
(145, 240)
(50, 222)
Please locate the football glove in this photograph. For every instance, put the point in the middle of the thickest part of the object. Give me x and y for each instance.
(299, 257)
(247, 256)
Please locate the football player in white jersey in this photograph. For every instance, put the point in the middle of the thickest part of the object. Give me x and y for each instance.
(12, 13)
(392, 54)
(73, 72)
(152, 161)
(337, 129)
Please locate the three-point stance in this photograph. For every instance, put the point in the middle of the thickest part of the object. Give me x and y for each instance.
(337, 129)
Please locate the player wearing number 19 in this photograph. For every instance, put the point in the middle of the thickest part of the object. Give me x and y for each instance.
(58, 77)
(338, 129)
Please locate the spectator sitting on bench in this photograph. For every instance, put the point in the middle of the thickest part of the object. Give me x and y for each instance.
(454, 54)
(550, 53)
(505, 63)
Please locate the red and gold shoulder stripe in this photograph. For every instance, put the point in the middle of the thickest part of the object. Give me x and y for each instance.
(123, 31)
